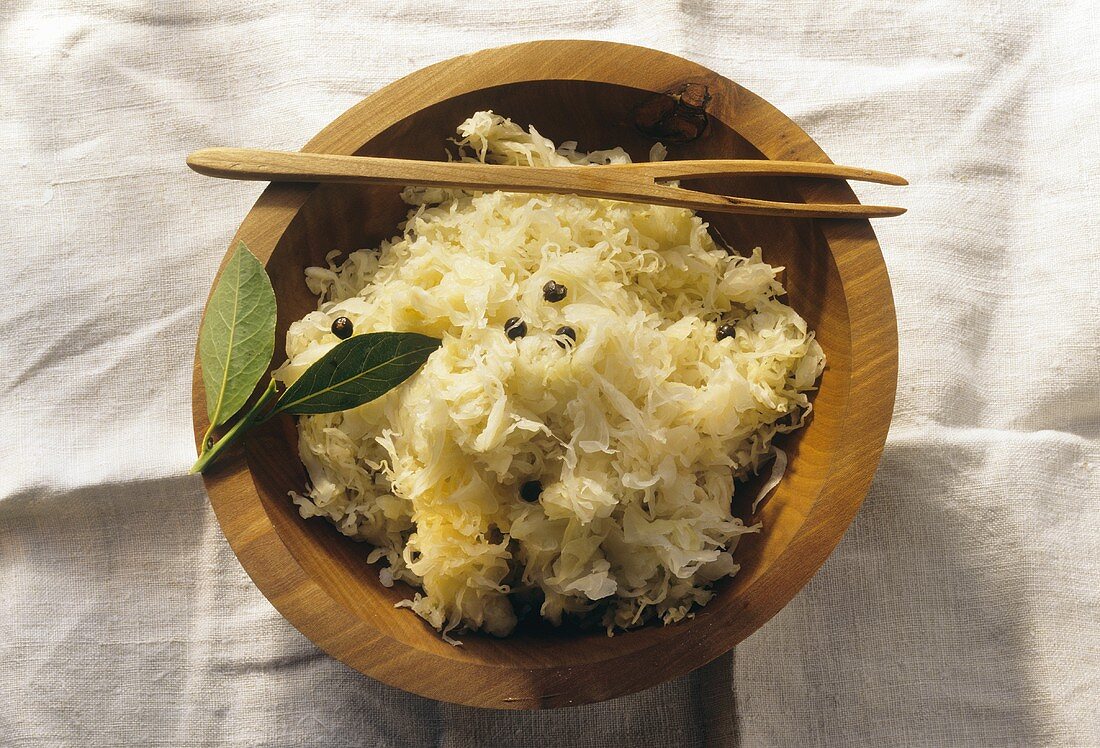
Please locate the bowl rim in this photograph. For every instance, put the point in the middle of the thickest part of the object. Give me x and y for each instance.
(873, 340)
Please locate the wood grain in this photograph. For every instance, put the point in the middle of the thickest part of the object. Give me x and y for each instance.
(585, 91)
(637, 182)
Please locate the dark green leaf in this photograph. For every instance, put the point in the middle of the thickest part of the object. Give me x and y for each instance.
(357, 371)
(237, 336)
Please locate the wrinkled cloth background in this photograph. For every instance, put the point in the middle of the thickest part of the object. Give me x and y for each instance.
(961, 608)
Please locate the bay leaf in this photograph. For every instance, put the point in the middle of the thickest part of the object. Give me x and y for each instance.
(356, 371)
(237, 338)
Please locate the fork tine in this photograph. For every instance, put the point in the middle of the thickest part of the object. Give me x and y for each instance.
(681, 197)
(761, 167)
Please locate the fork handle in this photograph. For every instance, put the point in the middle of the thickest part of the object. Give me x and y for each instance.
(285, 166)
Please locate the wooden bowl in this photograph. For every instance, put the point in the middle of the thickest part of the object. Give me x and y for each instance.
(587, 91)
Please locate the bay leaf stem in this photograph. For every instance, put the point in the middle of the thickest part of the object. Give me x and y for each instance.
(206, 440)
(256, 414)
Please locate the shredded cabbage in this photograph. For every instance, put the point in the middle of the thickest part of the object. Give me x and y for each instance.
(636, 433)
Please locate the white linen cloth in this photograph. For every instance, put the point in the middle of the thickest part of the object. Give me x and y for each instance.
(961, 608)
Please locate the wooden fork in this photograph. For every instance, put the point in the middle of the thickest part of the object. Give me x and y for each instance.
(636, 183)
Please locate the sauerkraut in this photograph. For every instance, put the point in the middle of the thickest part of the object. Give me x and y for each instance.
(635, 431)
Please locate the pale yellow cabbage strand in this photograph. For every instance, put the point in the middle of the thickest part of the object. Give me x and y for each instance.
(636, 434)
